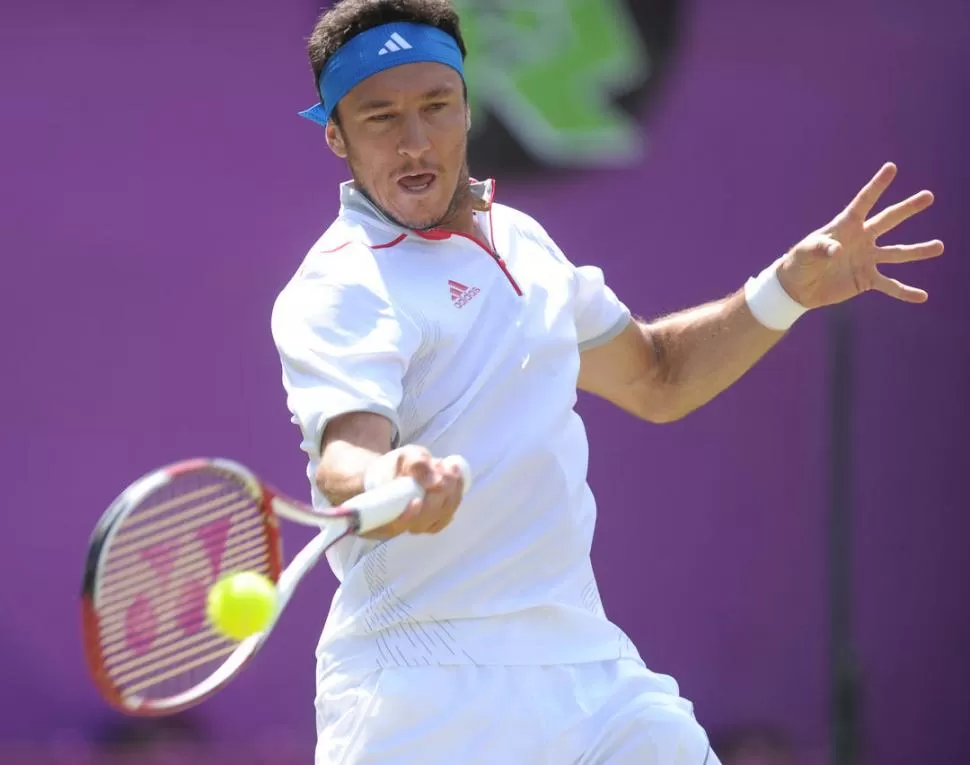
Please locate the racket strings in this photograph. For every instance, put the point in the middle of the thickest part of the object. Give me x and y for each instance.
(183, 659)
(128, 667)
(160, 508)
(156, 573)
(167, 604)
(180, 528)
(123, 661)
(250, 542)
(183, 670)
(116, 640)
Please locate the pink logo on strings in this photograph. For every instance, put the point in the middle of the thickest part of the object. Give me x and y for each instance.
(143, 619)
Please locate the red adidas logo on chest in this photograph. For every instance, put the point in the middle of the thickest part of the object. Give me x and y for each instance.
(461, 294)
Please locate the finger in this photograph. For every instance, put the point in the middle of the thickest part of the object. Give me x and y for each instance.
(892, 216)
(829, 246)
(424, 472)
(434, 517)
(459, 480)
(441, 525)
(898, 290)
(866, 199)
(431, 516)
(411, 511)
(448, 476)
(452, 489)
(441, 500)
(907, 253)
(438, 507)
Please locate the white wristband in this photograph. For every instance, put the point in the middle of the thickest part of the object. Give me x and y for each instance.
(768, 301)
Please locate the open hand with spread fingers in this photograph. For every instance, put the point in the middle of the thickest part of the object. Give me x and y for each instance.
(842, 259)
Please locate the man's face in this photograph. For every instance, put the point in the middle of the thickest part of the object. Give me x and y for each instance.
(404, 133)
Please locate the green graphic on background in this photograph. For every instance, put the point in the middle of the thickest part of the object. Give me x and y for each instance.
(550, 72)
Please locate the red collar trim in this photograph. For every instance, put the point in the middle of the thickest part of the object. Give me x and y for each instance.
(484, 197)
(484, 194)
(435, 234)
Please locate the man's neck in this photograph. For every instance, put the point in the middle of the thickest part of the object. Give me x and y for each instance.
(461, 218)
(461, 223)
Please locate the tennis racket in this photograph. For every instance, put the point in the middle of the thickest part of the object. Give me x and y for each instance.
(160, 547)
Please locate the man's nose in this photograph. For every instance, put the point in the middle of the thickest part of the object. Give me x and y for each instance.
(414, 137)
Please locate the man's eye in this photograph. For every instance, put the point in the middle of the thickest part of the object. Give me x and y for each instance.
(380, 117)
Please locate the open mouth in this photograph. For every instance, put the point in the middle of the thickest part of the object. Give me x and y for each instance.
(417, 184)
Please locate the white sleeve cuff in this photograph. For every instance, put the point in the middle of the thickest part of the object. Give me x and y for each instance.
(768, 301)
(318, 421)
(599, 314)
(618, 326)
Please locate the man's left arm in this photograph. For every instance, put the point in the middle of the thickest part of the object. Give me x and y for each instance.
(663, 370)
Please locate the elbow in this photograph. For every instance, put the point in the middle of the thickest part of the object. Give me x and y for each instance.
(661, 398)
(658, 403)
(662, 412)
(663, 416)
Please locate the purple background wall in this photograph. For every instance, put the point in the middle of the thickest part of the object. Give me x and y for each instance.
(158, 190)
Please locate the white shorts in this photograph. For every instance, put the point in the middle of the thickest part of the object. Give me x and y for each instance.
(615, 712)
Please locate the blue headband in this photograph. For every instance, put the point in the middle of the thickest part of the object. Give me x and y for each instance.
(375, 50)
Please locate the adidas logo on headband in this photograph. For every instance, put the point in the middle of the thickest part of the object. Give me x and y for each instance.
(394, 44)
(364, 56)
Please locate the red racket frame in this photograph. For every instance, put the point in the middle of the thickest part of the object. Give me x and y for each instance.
(112, 518)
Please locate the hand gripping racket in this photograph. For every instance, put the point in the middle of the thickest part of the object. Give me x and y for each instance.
(160, 547)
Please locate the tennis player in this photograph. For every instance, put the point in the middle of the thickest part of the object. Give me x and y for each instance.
(431, 320)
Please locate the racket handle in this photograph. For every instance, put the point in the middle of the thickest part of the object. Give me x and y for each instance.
(385, 504)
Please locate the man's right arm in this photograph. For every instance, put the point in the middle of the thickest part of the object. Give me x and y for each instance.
(352, 444)
(344, 349)
(354, 457)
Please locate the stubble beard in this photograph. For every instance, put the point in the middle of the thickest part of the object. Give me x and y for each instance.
(461, 196)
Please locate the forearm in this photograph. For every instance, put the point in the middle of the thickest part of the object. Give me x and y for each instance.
(340, 474)
(702, 351)
(351, 446)
(662, 370)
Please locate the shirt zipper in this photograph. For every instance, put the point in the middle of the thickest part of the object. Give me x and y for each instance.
(498, 260)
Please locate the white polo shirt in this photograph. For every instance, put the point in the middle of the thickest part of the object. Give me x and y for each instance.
(469, 353)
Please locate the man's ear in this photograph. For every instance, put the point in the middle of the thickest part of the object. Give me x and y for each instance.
(468, 118)
(335, 140)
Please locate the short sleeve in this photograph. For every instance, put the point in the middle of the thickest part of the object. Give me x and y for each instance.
(343, 348)
(600, 314)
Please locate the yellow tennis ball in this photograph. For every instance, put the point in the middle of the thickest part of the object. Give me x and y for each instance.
(242, 604)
